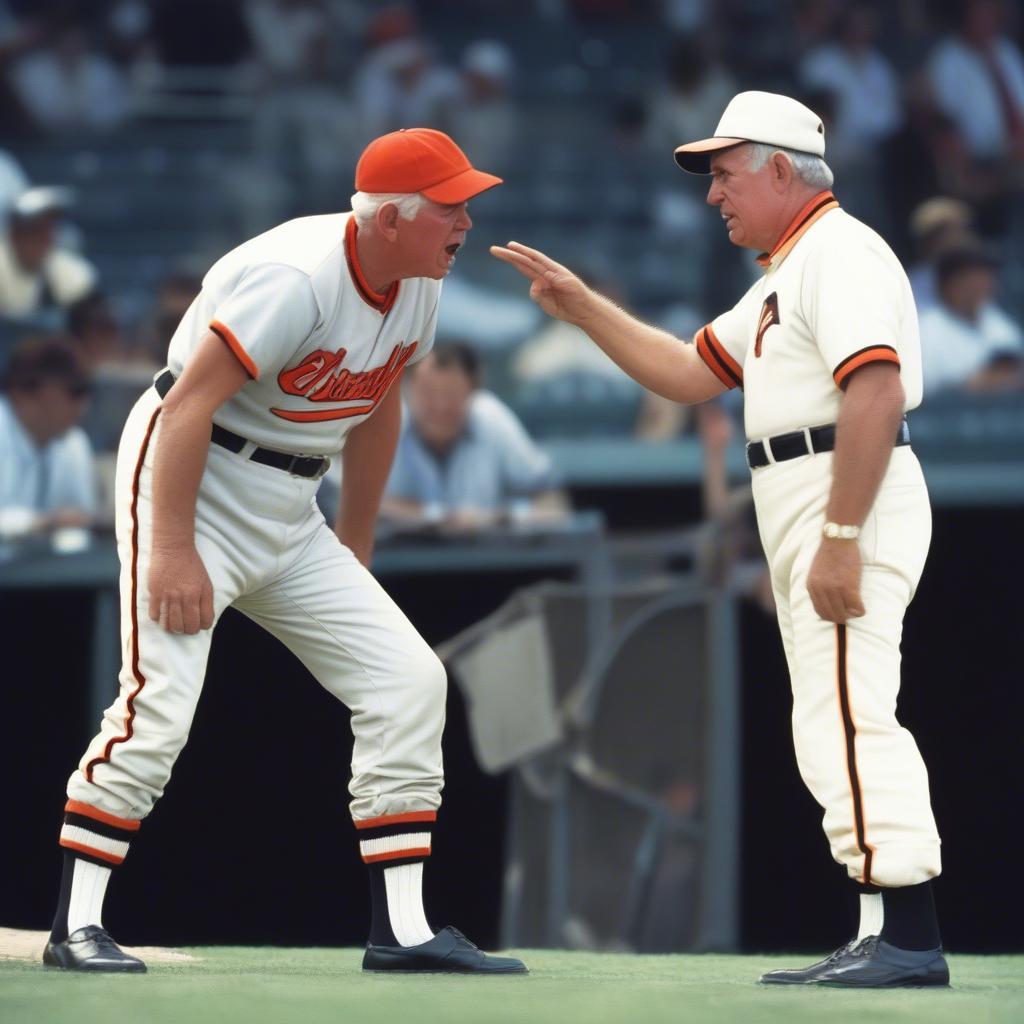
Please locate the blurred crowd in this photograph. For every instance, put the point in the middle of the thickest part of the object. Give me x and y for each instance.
(576, 103)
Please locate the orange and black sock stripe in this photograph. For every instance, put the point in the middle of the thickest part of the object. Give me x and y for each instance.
(95, 835)
(396, 839)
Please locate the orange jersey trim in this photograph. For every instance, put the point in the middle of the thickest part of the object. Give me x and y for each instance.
(381, 303)
(88, 811)
(850, 733)
(140, 679)
(227, 336)
(718, 360)
(318, 415)
(419, 851)
(871, 354)
(821, 204)
(110, 858)
(396, 819)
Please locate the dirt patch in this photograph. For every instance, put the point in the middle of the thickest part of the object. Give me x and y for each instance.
(19, 944)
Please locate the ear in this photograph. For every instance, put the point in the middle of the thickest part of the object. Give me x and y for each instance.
(386, 220)
(782, 173)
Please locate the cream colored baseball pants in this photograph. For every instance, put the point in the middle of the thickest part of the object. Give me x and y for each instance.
(859, 763)
(270, 554)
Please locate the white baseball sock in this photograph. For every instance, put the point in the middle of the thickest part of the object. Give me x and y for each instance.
(88, 887)
(872, 914)
(405, 904)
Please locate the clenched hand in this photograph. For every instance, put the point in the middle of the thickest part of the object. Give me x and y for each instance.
(834, 581)
(180, 592)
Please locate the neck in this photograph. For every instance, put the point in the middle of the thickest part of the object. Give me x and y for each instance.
(373, 259)
(788, 213)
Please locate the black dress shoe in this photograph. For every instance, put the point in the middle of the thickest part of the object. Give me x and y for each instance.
(870, 963)
(90, 949)
(448, 952)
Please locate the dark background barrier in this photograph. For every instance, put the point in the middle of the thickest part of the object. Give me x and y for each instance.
(252, 842)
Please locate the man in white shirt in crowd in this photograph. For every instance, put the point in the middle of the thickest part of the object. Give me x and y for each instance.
(464, 460)
(46, 469)
(37, 273)
(967, 341)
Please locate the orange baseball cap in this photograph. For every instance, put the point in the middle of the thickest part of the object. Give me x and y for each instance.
(421, 160)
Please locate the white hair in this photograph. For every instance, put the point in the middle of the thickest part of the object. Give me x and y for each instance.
(366, 204)
(810, 169)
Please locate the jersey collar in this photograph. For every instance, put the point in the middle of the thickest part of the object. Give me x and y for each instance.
(813, 211)
(381, 303)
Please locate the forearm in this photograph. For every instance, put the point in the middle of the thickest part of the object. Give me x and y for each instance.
(654, 358)
(869, 420)
(366, 464)
(178, 464)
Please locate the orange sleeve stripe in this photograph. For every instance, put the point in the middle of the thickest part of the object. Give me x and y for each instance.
(110, 858)
(396, 819)
(419, 851)
(872, 354)
(226, 335)
(88, 811)
(718, 361)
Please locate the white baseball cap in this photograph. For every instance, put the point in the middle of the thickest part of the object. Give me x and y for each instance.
(757, 117)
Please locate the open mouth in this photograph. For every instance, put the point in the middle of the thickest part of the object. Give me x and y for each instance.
(452, 249)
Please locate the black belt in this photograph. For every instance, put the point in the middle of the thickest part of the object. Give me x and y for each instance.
(298, 465)
(793, 445)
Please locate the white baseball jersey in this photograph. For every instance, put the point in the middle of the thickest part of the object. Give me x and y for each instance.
(321, 346)
(833, 297)
(322, 349)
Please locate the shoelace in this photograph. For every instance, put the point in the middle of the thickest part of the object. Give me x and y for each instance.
(455, 931)
(867, 946)
(101, 937)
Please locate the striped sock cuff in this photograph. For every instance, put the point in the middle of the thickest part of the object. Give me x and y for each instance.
(396, 838)
(95, 835)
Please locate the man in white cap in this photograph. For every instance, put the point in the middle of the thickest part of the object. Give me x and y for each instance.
(825, 346)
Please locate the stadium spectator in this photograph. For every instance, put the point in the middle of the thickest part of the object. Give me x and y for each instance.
(174, 295)
(400, 84)
(483, 116)
(967, 341)
(696, 89)
(69, 86)
(37, 273)
(464, 461)
(864, 84)
(935, 225)
(46, 469)
(303, 125)
(978, 76)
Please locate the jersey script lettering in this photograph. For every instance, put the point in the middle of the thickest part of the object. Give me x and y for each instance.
(320, 378)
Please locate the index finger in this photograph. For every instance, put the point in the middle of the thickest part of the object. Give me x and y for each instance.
(519, 261)
(539, 258)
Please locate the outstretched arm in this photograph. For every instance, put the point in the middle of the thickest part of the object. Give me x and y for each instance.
(652, 357)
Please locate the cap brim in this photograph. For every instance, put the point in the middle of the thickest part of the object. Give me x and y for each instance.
(461, 187)
(695, 157)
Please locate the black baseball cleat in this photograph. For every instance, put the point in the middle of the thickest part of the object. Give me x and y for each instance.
(90, 949)
(869, 963)
(448, 952)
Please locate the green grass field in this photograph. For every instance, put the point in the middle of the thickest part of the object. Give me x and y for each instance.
(313, 985)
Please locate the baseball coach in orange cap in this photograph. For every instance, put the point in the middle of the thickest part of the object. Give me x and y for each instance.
(290, 355)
